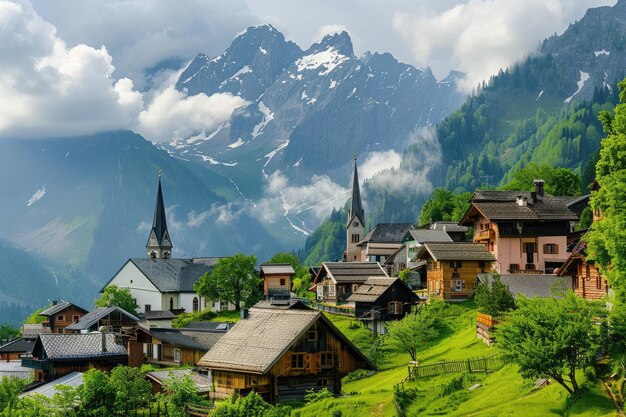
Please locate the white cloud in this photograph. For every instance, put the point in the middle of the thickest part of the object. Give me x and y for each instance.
(172, 114)
(328, 30)
(376, 162)
(479, 37)
(314, 200)
(48, 89)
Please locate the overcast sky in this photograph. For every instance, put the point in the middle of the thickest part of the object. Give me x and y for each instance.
(70, 67)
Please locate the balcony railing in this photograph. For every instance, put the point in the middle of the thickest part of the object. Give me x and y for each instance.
(526, 271)
(485, 234)
(32, 363)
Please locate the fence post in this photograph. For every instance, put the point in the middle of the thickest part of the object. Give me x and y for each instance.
(469, 365)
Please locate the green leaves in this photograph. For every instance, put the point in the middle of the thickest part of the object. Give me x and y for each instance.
(118, 297)
(494, 298)
(414, 331)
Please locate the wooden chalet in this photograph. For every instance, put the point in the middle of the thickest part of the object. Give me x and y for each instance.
(452, 268)
(526, 231)
(171, 347)
(336, 281)
(114, 319)
(280, 354)
(16, 349)
(61, 315)
(382, 299)
(587, 281)
(55, 355)
(276, 280)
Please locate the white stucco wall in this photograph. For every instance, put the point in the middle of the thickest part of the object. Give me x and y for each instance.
(140, 287)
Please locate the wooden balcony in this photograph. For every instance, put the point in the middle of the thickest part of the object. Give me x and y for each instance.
(526, 271)
(488, 234)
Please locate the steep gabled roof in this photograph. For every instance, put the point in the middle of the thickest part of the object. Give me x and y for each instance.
(159, 222)
(355, 272)
(60, 307)
(356, 207)
(456, 251)
(280, 269)
(94, 316)
(373, 288)
(256, 343)
(173, 275)
(387, 233)
(79, 346)
(201, 382)
(427, 235)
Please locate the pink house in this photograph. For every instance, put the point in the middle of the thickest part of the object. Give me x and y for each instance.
(525, 231)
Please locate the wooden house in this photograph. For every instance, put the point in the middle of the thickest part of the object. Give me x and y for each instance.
(55, 355)
(586, 279)
(202, 383)
(526, 231)
(382, 299)
(113, 318)
(336, 281)
(61, 315)
(171, 347)
(452, 267)
(276, 280)
(16, 349)
(282, 353)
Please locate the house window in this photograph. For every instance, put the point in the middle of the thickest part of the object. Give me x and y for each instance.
(60, 318)
(312, 335)
(327, 360)
(251, 380)
(459, 284)
(282, 282)
(513, 267)
(297, 360)
(394, 307)
(529, 247)
(456, 264)
(75, 318)
(171, 303)
(551, 248)
(147, 308)
(223, 305)
(176, 355)
(598, 282)
(195, 304)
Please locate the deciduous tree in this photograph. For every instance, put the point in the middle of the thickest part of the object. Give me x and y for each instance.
(415, 331)
(119, 297)
(494, 298)
(233, 279)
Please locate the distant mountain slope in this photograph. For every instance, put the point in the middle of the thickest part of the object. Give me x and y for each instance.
(88, 203)
(324, 102)
(541, 110)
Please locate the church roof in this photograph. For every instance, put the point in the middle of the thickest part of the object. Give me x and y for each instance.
(173, 275)
(159, 222)
(387, 233)
(356, 208)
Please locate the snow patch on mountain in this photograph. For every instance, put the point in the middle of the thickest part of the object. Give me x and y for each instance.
(329, 59)
(212, 161)
(236, 144)
(275, 151)
(602, 52)
(584, 76)
(268, 116)
(38, 195)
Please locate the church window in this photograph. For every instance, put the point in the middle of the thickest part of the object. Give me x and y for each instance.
(171, 303)
(147, 308)
(195, 304)
(166, 255)
(153, 255)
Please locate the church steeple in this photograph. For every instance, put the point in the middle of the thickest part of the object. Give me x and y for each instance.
(159, 244)
(356, 208)
(355, 229)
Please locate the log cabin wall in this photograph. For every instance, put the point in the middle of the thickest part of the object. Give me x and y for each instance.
(588, 283)
(454, 279)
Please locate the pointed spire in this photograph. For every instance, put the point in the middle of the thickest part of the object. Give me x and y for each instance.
(159, 244)
(356, 208)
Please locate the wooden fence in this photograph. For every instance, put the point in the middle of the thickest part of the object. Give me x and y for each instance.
(27, 375)
(341, 310)
(484, 364)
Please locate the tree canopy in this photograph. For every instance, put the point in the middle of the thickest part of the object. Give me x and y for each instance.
(551, 337)
(607, 238)
(114, 296)
(416, 330)
(494, 298)
(444, 205)
(558, 181)
(234, 279)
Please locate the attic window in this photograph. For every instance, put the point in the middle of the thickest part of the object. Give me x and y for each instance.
(312, 335)
(394, 307)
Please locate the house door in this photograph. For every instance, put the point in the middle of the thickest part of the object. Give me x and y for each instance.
(530, 248)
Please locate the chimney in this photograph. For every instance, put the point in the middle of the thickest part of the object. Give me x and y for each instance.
(244, 313)
(539, 187)
(54, 302)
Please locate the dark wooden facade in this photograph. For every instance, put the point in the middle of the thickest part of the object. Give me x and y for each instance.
(587, 281)
(393, 304)
(58, 321)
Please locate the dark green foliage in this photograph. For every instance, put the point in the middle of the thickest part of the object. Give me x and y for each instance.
(35, 318)
(444, 205)
(8, 332)
(233, 279)
(416, 330)
(617, 350)
(328, 241)
(182, 320)
(494, 298)
(113, 296)
(97, 395)
(355, 376)
(586, 218)
(252, 405)
(132, 390)
(317, 395)
(551, 337)
(181, 391)
(558, 181)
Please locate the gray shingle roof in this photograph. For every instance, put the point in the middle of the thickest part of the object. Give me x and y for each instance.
(95, 315)
(451, 227)
(58, 308)
(173, 275)
(255, 344)
(283, 269)
(193, 339)
(427, 235)
(531, 285)
(18, 346)
(208, 325)
(502, 205)
(202, 383)
(73, 379)
(77, 346)
(371, 289)
(387, 233)
(457, 251)
(357, 272)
